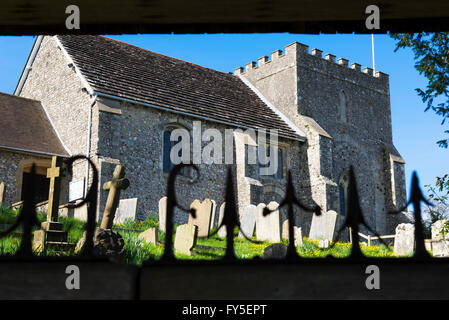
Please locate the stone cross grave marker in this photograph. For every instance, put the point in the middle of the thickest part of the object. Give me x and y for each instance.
(222, 230)
(127, 209)
(51, 232)
(162, 213)
(404, 241)
(55, 174)
(268, 228)
(323, 226)
(2, 193)
(203, 216)
(296, 231)
(248, 221)
(118, 182)
(440, 242)
(185, 238)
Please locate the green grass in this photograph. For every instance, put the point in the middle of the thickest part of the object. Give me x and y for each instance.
(137, 251)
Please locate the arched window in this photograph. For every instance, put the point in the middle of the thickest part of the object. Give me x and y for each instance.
(343, 109)
(343, 192)
(280, 158)
(181, 143)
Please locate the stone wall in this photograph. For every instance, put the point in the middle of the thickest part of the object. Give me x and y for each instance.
(53, 81)
(138, 132)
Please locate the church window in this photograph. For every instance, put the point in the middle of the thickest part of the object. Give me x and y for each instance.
(343, 107)
(167, 163)
(279, 172)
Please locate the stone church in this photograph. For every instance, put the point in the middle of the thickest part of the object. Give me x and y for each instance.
(118, 104)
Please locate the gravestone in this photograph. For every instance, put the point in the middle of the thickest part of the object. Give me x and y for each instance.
(222, 230)
(212, 219)
(149, 236)
(118, 183)
(248, 221)
(404, 240)
(185, 238)
(127, 209)
(275, 251)
(162, 213)
(2, 193)
(428, 244)
(440, 241)
(203, 216)
(323, 226)
(297, 231)
(268, 228)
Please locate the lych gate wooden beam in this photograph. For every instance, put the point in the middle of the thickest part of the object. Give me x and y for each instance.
(179, 16)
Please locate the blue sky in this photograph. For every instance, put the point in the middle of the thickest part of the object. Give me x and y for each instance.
(415, 132)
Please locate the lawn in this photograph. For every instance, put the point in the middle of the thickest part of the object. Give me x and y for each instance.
(138, 251)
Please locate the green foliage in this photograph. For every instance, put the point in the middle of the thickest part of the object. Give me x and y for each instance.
(137, 251)
(431, 60)
(439, 197)
(7, 215)
(74, 227)
(9, 245)
(150, 222)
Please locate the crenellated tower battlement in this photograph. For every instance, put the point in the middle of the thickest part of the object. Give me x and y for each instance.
(298, 50)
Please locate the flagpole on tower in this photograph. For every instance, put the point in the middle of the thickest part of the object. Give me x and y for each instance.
(372, 49)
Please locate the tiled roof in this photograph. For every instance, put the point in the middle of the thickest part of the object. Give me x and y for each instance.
(25, 126)
(120, 69)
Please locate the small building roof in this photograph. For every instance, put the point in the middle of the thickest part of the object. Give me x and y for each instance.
(122, 70)
(25, 127)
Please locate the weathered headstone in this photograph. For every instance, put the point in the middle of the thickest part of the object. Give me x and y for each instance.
(127, 209)
(185, 238)
(296, 231)
(323, 226)
(268, 228)
(440, 239)
(222, 230)
(162, 213)
(428, 244)
(404, 240)
(150, 236)
(118, 182)
(248, 221)
(275, 251)
(2, 193)
(203, 216)
(212, 218)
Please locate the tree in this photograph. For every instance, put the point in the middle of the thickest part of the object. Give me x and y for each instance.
(439, 196)
(431, 60)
